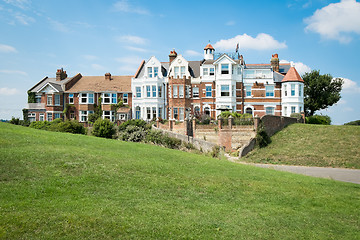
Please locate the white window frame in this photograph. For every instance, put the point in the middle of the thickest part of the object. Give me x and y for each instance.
(205, 71)
(71, 98)
(268, 111)
(175, 91)
(150, 72)
(38, 98)
(148, 91)
(176, 72)
(293, 109)
(181, 91)
(138, 92)
(49, 100)
(208, 91)
(182, 71)
(225, 68)
(41, 117)
(57, 115)
(56, 99)
(195, 92)
(159, 91)
(224, 90)
(125, 98)
(211, 71)
(88, 97)
(269, 91)
(156, 71)
(153, 91)
(49, 117)
(110, 116)
(292, 90)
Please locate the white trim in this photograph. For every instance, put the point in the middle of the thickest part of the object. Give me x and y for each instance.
(46, 86)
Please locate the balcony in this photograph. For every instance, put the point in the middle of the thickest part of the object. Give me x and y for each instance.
(36, 106)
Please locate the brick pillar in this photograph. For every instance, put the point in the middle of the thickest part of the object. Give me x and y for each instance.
(194, 125)
(220, 123)
(256, 122)
(171, 124)
(303, 116)
(230, 119)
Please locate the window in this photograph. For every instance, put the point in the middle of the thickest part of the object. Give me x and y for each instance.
(300, 90)
(72, 115)
(41, 117)
(176, 72)
(49, 99)
(176, 113)
(83, 98)
(109, 115)
(113, 98)
(212, 71)
(205, 71)
(38, 98)
(49, 117)
(249, 73)
(148, 91)
(293, 109)
(269, 91)
(159, 91)
(160, 112)
(197, 111)
(285, 90)
(32, 117)
(175, 91)
(125, 98)
(239, 70)
(181, 114)
(148, 113)
(154, 113)
(156, 71)
(262, 74)
(233, 90)
(57, 100)
(106, 98)
(150, 73)
(208, 91)
(207, 111)
(270, 110)
(137, 113)
(181, 91)
(71, 98)
(248, 91)
(285, 111)
(292, 89)
(122, 116)
(225, 92)
(182, 71)
(138, 92)
(56, 115)
(248, 110)
(154, 91)
(195, 92)
(224, 68)
(187, 91)
(83, 116)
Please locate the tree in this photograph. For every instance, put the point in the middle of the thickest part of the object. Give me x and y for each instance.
(103, 128)
(320, 91)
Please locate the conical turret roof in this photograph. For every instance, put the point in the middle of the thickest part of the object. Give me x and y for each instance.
(292, 76)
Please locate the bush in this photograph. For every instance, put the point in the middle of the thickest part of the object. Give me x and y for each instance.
(71, 127)
(215, 152)
(93, 117)
(15, 121)
(132, 133)
(103, 128)
(353, 123)
(40, 125)
(298, 116)
(262, 138)
(135, 122)
(318, 119)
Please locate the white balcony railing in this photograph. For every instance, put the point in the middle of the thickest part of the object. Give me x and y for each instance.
(36, 106)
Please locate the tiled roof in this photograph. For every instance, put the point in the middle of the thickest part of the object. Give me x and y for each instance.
(278, 77)
(208, 46)
(292, 76)
(194, 68)
(100, 84)
(59, 85)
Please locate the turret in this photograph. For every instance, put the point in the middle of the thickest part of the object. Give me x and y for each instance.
(209, 52)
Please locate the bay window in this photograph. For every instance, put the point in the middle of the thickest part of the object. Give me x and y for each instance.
(225, 92)
(148, 91)
(224, 68)
(269, 91)
(154, 91)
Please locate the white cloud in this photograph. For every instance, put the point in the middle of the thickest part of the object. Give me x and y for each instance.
(23, 19)
(262, 41)
(230, 23)
(97, 67)
(192, 53)
(58, 26)
(125, 6)
(131, 39)
(23, 4)
(350, 86)
(13, 72)
(301, 68)
(133, 60)
(8, 91)
(136, 49)
(336, 21)
(7, 49)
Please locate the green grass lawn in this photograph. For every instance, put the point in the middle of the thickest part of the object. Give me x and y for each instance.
(63, 186)
(312, 145)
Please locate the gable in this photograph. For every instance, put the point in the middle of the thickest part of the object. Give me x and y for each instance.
(224, 59)
(48, 88)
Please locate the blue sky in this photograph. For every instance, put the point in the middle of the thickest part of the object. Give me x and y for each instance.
(95, 37)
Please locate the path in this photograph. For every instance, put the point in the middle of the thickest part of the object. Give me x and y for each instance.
(339, 174)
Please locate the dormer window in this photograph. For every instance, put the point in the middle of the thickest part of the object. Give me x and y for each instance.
(176, 72)
(212, 71)
(150, 72)
(156, 71)
(224, 68)
(182, 71)
(205, 71)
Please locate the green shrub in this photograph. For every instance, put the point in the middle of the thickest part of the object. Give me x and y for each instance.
(171, 142)
(93, 117)
(318, 119)
(132, 133)
(262, 138)
(40, 125)
(15, 121)
(155, 137)
(357, 122)
(71, 127)
(215, 152)
(103, 128)
(135, 122)
(298, 116)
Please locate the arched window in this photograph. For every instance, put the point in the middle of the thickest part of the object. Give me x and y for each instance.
(207, 111)
(137, 112)
(197, 111)
(248, 110)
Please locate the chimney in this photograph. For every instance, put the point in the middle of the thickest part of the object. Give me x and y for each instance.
(172, 56)
(107, 76)
(275, 62)
(60, 74)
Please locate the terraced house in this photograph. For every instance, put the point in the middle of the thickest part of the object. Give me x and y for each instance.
(175, 89)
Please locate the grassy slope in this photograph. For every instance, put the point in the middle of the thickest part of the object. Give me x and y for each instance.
(312, 145)
(58, 185)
